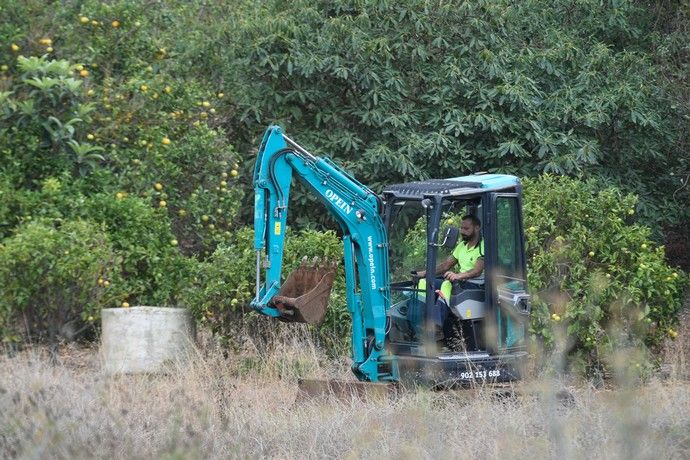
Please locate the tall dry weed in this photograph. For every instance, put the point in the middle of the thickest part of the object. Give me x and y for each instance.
(244, 405)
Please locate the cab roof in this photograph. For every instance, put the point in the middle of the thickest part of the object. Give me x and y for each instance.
(450, 187)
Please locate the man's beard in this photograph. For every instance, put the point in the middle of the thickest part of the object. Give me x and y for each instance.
(467, 238)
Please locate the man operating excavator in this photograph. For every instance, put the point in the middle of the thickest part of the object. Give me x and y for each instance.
(469, 256)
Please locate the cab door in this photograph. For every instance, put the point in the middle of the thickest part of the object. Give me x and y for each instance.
(508, 275)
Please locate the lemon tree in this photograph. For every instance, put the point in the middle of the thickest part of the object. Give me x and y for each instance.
(600, 285)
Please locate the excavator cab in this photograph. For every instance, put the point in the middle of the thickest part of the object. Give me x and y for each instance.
(485, 333)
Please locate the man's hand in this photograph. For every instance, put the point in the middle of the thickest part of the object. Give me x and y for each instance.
(450, 276)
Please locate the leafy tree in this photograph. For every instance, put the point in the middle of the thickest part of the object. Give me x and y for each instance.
(415, 89)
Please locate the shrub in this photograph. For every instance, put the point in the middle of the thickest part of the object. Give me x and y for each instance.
(224, 284)
(153, 271)
(52, 279)
(598, 281)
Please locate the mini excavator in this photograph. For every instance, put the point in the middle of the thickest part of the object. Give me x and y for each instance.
(387, 239)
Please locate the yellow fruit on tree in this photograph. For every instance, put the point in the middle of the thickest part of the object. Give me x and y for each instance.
(162, 203)
(14, 47)
(224, 175)
(591, 254)
(49, 49)
(84, 73)
(119, 195)
(106, 283)
(182, 212)
(100, 281)
(206, 104)
(115, 24)
(204, 218)
(168, 89)
(165, 141)
(158, 186)
(4, 67)
(125, 304)
(233, 173)
(83, 19)
(173, 242)
(144, 88)
(90, 137)
(220, 95)
(45, 41)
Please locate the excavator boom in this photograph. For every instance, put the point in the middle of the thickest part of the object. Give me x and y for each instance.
(304, 295)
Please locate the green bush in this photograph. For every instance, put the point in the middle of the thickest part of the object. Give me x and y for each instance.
(153, 271)
(224, 284)
(49, 279)
(599, 283)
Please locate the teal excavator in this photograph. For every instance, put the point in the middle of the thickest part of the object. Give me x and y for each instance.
(388, 240)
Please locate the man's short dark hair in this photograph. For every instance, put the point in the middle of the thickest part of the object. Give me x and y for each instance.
(474, 219)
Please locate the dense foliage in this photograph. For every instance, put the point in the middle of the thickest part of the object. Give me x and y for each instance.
(600, 286)
(415, 89)
(54, 279)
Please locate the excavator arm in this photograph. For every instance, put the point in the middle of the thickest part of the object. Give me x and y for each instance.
(356, 208)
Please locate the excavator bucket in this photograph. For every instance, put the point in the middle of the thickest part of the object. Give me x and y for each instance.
(303, 298)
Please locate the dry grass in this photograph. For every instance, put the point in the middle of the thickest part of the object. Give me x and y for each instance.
(245, 407)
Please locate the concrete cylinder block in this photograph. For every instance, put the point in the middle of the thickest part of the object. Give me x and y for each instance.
(145, 339)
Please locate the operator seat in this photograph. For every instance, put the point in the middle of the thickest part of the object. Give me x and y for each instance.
(468, 303)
